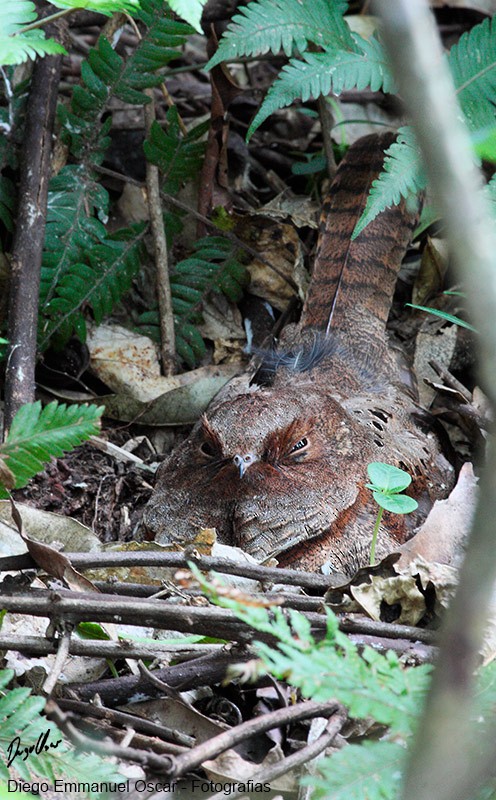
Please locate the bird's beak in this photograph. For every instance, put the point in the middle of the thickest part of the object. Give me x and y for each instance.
(242, 462)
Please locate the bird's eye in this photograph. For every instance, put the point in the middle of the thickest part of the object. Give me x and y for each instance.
(299, 446)
(207, 449)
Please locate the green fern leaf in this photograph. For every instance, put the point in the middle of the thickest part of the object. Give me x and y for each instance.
(372, 770)
(37, 434)
(16, 46)
(403, 176)
(473, 65)
(99, 283)
(107, 7)
(178, 157)
(283, 25)
(189, 10)
(160, 44)
(335, 69)
(20, 715)
(71, 230)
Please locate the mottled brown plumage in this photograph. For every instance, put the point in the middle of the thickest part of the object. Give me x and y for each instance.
(280, 470)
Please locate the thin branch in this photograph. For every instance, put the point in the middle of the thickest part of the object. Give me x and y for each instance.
(446, 762)
(303, 756)
(81, 561)
(164, 295)
(254, 727)
(30, 235)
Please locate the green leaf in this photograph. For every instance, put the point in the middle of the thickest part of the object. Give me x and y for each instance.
(16, 46)
(336, 69)
(473, 65)
(189, 10)
(396, 503)
(444, 315)
(403, 176)
(107, 7)
(372, 770)
(20, 715)
(178, 157)
(388, 478)
(38, 434)
(484, 143)
(283, 24)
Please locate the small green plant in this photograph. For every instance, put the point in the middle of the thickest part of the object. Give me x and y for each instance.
(37, 434)
(387, 483)
(51, 757)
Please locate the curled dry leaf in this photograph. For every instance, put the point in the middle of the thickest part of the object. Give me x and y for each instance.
(395, 591)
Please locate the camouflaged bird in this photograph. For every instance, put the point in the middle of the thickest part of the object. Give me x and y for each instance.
(280, 469)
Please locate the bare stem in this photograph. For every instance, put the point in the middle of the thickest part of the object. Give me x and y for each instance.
(375, 535)
(446, 762)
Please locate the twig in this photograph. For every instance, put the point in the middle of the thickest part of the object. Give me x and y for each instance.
(326, 124)
(253, 727)
(38, 646)
(164, 296)
(446, 762)
(124, 720)
(63, 646)
(307, 580)
(299, 758)
(450, 379)
(204, 671)
(30, 235)
(162, 764)
(75, 607)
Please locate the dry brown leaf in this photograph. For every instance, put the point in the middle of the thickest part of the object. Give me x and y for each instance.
(443, 535)
(400, 590)
(433, 266)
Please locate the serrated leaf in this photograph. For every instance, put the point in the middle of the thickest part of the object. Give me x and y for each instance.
(372, 770)
(387, 477)
(335, 69)
(473, 65)
(189, 10)
(107, 7)
(283, 25)
(37, 434)
(403, 176)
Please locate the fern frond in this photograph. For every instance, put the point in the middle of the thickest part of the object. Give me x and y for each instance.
(156, 49)
(372, 769)
(335, 69)
(37, 434)
(16, 46)
(178, 157)
(284, 25)
(106, 7)
(403, 176)
(98, 281)
(20, 715)
(473, 65)
(74, 202)
(189, 10)
(82, 129)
